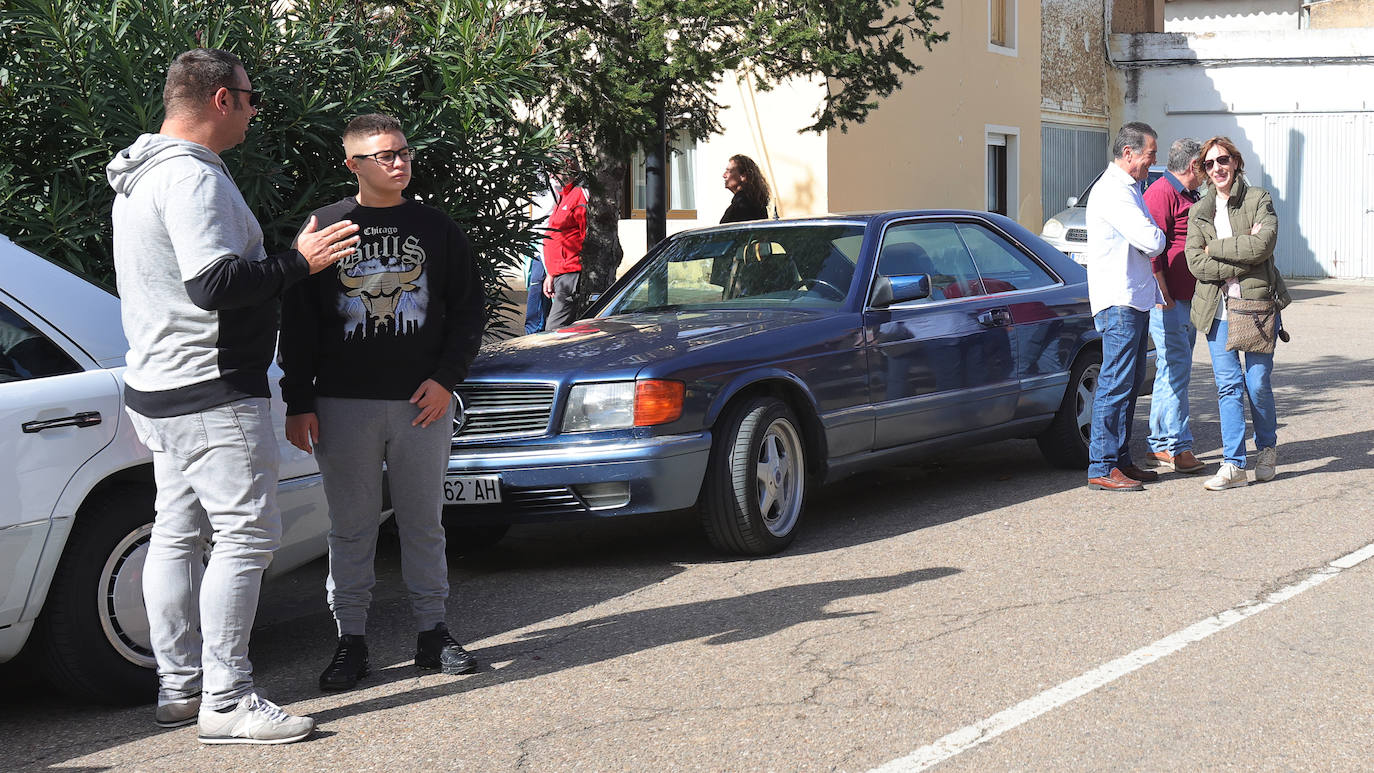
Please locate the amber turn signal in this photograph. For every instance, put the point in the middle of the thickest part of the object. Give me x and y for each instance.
(657, 401)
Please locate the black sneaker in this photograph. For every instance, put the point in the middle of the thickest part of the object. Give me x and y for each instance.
(349, 664)
(436, 649)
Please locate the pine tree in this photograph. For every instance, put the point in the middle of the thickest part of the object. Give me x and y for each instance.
(625, 62)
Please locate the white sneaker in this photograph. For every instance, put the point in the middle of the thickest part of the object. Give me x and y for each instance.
(1266, 462)
(1229, 476)
(254, 720)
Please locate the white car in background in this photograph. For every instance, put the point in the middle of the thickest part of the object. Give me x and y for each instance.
(76, 487)
(1068, 229)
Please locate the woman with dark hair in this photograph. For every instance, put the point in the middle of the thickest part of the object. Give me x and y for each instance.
(743, 178)
(1232, 230)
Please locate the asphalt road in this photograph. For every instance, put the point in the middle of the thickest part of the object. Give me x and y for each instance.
(979, 611)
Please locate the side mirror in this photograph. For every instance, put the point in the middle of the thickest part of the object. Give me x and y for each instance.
(593, 298)
(888, 290)
(1073, 201)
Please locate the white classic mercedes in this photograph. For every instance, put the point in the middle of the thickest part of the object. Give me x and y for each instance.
(76, 487)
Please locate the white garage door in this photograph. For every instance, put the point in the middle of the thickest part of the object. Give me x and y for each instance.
(1321, 168)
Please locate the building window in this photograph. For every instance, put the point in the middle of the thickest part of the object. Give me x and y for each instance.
(1002, 164)
(1002, 26)
(682, 165)
(997, 177)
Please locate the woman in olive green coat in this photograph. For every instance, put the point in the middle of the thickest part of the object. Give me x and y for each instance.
(1233, 256)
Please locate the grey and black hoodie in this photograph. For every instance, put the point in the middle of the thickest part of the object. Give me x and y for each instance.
(198, 292)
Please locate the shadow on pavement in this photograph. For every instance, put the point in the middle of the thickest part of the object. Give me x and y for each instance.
(544, 572)
(717, 621)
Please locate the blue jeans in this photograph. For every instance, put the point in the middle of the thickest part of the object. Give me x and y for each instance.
(536, 302)
(1174, 336)
(1123, 332)
(220, 464)
(1234, 385)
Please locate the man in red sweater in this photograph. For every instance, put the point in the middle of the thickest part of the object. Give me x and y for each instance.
(567, 231)
(1169, 199)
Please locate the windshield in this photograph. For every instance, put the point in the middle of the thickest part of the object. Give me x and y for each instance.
(805, 265)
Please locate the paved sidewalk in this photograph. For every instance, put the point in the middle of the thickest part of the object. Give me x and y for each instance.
(915, 602)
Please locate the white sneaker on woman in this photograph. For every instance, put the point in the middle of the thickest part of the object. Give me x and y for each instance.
(1265, 463)
(1229, 476)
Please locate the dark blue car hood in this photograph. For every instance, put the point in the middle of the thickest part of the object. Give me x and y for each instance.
(621, 345)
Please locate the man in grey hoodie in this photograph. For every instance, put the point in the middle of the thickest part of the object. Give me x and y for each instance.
(200, 299)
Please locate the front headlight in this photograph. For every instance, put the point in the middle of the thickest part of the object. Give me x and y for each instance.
(1053, 229)
(600, 406)
(623, 404)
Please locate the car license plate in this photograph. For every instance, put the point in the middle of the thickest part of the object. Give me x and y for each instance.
(472, 489)
(1079, 258)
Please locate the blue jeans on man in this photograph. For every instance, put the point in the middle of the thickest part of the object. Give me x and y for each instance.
(1174, 337)
(1124, 341)
(1235, 383)
(537, 304)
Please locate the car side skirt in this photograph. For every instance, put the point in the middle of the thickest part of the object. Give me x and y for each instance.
(845, 466)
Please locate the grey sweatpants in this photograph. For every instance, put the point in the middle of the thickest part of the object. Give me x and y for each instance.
(356, 436)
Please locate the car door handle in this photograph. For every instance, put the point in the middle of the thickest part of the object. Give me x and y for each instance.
(83, 419)
(995, 318)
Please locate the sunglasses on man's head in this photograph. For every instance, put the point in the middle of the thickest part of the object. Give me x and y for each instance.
(1221, 160)
(254, 97)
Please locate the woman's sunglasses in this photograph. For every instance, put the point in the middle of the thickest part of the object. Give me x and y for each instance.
(1222, 160)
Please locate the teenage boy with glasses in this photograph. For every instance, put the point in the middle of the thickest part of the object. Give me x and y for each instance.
(371, 352)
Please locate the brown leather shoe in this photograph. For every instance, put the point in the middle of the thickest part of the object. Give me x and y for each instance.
(1135, 473)
(1162, 461)
(1186, 462)
(1115, 481)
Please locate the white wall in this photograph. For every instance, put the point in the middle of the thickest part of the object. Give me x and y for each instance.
(1305, 129)
(1226, 15)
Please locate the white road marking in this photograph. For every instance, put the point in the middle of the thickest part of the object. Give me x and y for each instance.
(966, 738)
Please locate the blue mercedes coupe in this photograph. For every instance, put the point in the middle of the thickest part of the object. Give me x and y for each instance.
(736, 367)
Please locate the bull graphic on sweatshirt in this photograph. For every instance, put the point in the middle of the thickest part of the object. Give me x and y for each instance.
(385, 287)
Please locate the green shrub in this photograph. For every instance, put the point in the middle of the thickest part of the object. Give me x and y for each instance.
(80, 80)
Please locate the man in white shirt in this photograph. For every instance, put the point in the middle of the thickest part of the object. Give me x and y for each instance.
(1122, 237)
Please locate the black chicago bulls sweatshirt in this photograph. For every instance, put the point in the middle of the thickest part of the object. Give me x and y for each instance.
(405, 307)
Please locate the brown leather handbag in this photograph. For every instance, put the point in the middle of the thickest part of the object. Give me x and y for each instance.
(1252, 325)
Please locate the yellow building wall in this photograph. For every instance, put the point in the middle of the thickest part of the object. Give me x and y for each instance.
(764, 126)
(925, 146)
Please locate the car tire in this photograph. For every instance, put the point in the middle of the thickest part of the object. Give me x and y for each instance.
(756, 484)
(82, 646)
(465, 539)
(1064, 443)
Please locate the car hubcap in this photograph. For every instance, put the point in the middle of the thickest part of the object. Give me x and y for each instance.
(1087, 388)
(122, 614)
(780, 478)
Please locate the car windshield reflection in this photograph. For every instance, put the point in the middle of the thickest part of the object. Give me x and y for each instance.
(805, 266)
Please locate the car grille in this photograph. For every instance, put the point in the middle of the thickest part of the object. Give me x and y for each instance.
(495, 411)
(528, 505)
(550, 501)
(1077, 235)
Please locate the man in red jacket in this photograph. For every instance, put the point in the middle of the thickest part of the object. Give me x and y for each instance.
(567, 231)
(1169, 199)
